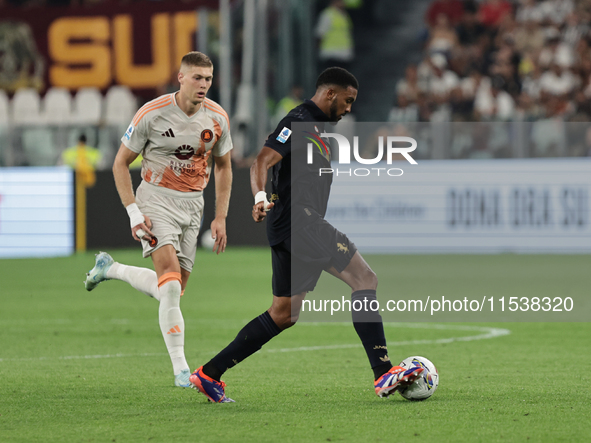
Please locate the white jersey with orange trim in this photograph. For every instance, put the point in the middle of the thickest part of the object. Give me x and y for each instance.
(177, 148)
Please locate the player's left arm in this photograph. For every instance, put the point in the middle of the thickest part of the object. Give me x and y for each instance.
(223, 188)
(266, 159)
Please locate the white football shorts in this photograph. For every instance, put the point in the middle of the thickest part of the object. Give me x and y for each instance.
(176, 219)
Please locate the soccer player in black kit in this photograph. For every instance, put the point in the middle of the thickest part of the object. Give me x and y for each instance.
(303, 242)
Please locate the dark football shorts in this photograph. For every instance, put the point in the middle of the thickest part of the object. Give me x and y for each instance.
(299, 261)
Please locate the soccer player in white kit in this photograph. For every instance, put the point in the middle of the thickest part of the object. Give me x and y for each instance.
(179, 136)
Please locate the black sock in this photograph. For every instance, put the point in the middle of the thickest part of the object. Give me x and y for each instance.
(369, 328)
(380, 370)
(250, 339)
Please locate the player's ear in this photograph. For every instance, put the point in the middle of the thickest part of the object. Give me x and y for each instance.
(330, 93)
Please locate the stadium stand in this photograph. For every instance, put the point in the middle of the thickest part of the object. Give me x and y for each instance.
(119, 106)
(426, 61)
(4, 128)
(57, 110)
(31, 123)
(39, 146)
(88, 106)
(57, 107)
(26, 108)
(522, 61)
(4, 109)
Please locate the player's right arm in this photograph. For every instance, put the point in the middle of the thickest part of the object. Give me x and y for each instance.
(266, 159)
(124, 158)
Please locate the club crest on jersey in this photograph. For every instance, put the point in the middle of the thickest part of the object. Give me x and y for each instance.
(284, 134)
(129, 132)
(184, 152)
(207, 135)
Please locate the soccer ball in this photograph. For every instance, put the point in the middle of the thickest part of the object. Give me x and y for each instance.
(425, 386)
(206, 241)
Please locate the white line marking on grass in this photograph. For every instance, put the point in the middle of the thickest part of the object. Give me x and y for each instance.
(83, 357)
(486, 333)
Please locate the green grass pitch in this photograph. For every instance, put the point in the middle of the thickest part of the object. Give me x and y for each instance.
(92, 367)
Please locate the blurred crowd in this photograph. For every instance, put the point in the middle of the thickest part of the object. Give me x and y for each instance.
(70, 3)
(495, 60)
(482, 61)
(33, 3)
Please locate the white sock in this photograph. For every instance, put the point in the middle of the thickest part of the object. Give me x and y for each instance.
(142, 279)
(172, 324)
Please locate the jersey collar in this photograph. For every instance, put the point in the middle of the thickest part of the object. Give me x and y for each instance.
(181, 112)
(315, 111)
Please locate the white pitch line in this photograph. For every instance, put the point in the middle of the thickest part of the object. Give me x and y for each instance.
(83, 357)
(487, 333)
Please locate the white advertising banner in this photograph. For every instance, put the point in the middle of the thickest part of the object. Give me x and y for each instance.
(36, 212)
(464, 206)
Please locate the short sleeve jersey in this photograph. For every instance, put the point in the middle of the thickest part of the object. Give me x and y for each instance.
(307, 199)
(177, 148)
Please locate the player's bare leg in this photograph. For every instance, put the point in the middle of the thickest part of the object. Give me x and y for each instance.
(285, 311)
(358, 274)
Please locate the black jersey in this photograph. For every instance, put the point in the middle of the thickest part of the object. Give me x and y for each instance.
(300, 193)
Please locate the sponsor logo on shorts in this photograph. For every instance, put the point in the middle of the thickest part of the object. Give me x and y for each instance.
(207, 135)
(284, 135)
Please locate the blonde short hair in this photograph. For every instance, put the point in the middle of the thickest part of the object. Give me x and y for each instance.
(196, 58)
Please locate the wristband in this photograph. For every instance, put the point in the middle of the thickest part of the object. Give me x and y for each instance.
(261, 196)
(135, 215)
